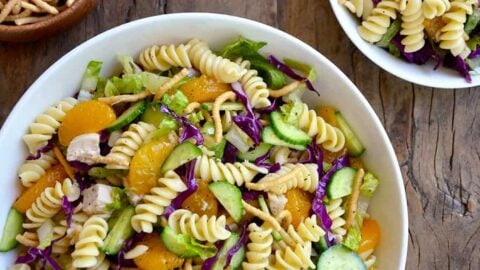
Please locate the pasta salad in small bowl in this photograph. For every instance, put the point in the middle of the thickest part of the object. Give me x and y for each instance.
(427, 42)
(186, 154)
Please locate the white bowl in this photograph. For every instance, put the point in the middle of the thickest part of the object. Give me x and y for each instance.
(62, 79)
(419, 74)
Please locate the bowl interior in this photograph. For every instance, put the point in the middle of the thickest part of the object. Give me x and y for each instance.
(63, 78)
(419, 74)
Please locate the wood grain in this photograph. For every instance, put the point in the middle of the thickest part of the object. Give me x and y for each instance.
(434, 132)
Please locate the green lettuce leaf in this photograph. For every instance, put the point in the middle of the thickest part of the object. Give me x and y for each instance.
(369, 185)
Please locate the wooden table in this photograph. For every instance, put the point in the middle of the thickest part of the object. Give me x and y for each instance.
(434, 132)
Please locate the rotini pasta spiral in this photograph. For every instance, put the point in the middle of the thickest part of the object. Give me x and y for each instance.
(102, 263)
(128, 144)
(135, 252)
(91, 238)
(298, 258)
(32, 170)
(49, 203)
(336, 211)
(20, 266)
(368, 258)
(209, 169)
(162, 58)
(78, 219)
(307, 231)
(254, 86)
(373, 28)
(62, 241)
(259, 248)
(452, 35)
(330, 137)
(434, 8)
(279, 154)
(361, 8)
(412, 26)
(211, 65)
(201, 228)
(290, 176)
(170, 185)
(28, 239)
(46, 124)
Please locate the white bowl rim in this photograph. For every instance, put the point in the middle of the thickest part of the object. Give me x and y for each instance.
(442, 78)
(9, 124)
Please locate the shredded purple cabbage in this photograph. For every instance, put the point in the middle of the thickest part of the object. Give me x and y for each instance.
(419, 57)
(475, 53)
(43, 256)
(290, 73)
(41, 150)
(80, 165)
(457, 63)
(188, 131)
(230, 153)
(83, 181)
(318, 207)
(68, 210)
(315, 155)
(261, 162)
(187, 173)
(249, 123)
(241, 242)
(275, 104)
(208, 263)
(251, 195)
(128, 245)
(375, 2)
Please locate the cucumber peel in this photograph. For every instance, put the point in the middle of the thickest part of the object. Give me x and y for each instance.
(230, 197)
(259, 151)
(341, 183)
(288, 133)
(128, 116)
(340, 257)
(120, 231)
(268, 136)
(13, 227)
(352, 142)
(180, 155)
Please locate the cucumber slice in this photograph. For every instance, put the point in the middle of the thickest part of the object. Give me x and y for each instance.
(120, 231)
(268, 136)
(180, 155)
(341, 183)
(354, 146)
(128, 116)
(100, 172)
(227, 106)
(230, 197)
(340, 257)
(184, 246)
(321, 245)
(259, 151)
(287, 132)
(13, 227)
(221, 261)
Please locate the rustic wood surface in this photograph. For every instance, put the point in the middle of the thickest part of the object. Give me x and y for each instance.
(435, 132)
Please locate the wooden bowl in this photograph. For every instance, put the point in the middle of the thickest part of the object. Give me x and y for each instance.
(48, 27)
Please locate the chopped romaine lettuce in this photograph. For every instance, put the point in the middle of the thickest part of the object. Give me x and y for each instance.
(369, 185)
(177, 102)
(90, 76)
(303, 67)
(129, 66)
(354, 236)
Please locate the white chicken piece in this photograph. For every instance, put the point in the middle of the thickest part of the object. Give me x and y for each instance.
(85, 148)
(276, 203)
(97, 198)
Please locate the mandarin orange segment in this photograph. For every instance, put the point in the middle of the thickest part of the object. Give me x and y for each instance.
(146, 163)
(328, 114)
(202, 202)
(204, 89)
(157, 256)
(299, 204)
(370, 235)
(86, 117)
(51, 176)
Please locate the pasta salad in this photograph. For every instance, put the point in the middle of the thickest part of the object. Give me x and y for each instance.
(445, 31)
(190, 159)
